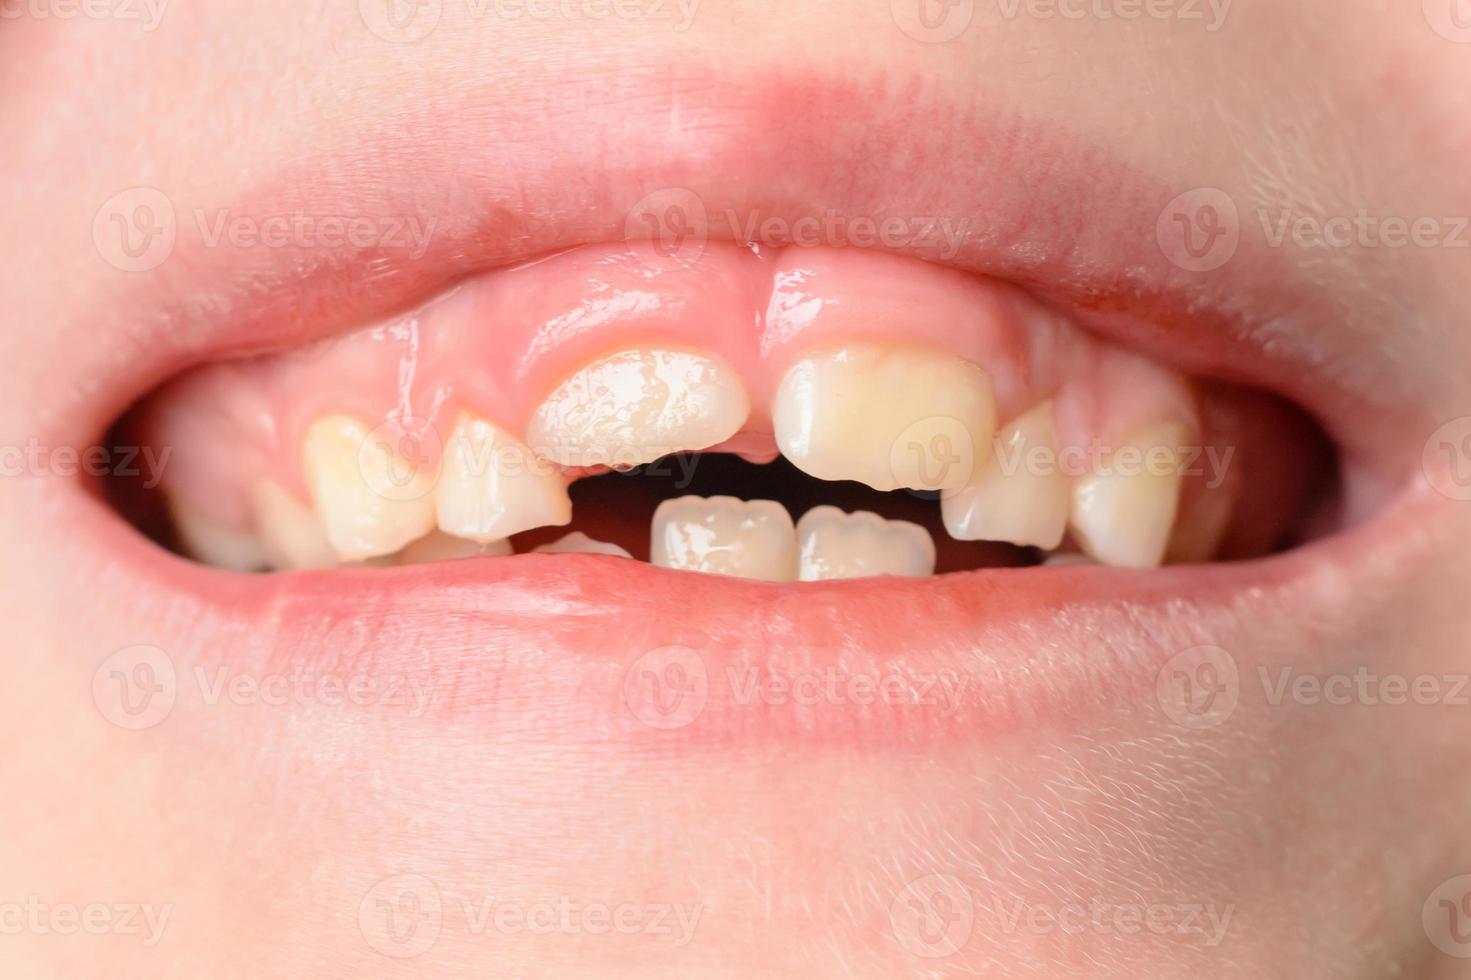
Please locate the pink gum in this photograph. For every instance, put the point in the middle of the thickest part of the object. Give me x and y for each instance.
(499, 342)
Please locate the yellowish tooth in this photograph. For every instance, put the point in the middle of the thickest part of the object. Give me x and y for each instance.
(725, 536)
(1020, 494)
(214, 543)
(861, 544)
(293, 535)
(635, 406)
(578, 543)
(892, 418)
(370, 500)
(491, 486)
(1123, 515)
(438, 546)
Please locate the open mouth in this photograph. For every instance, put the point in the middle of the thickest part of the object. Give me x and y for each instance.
(1046, 451)
(894, 418)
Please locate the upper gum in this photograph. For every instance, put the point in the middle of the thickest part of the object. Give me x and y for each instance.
(499, 343)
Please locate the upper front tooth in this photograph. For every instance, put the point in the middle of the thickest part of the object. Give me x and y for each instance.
(725, 536)
(838, 545)
(635, 406)
(1123, 515)
(578, 543)
(1020, 494)
(892, 419)
(371, 500)
(293, 535)
(491, 486)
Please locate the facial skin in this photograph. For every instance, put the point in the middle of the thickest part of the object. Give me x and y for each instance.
(539, 831)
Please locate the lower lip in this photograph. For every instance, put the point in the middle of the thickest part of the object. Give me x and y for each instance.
(619, 650)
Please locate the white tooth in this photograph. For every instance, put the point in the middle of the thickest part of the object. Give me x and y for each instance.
(890, 418)
(438, 546)
(292, 533)
(857, 545)
(370, 500)
(491, 486)
(725, 536)
(578, 543)
(1123, 515)
(1020, 494)
(235, 549)
(635, 406)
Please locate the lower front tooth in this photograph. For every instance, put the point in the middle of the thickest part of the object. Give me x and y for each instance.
(578, 543)
(1122, 516)
(725, 536)
(838, 545)
(438, 546)
(370, 500)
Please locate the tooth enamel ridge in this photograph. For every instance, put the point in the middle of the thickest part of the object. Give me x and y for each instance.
(725, 536)
(838, 545)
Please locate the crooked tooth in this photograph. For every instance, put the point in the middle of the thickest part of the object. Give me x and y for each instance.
(890, 418)
(438, 546)
(1020, 494)
(578, 543)
(1123, 516)
(725, 536)
(370, 500)
(838, 545)
(635, 406)
(291, 532)
(491, 486)
(235, 549)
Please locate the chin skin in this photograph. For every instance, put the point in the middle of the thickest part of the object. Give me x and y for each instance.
(460, 800)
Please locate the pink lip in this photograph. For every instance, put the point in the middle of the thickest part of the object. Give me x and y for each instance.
(554, 638)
